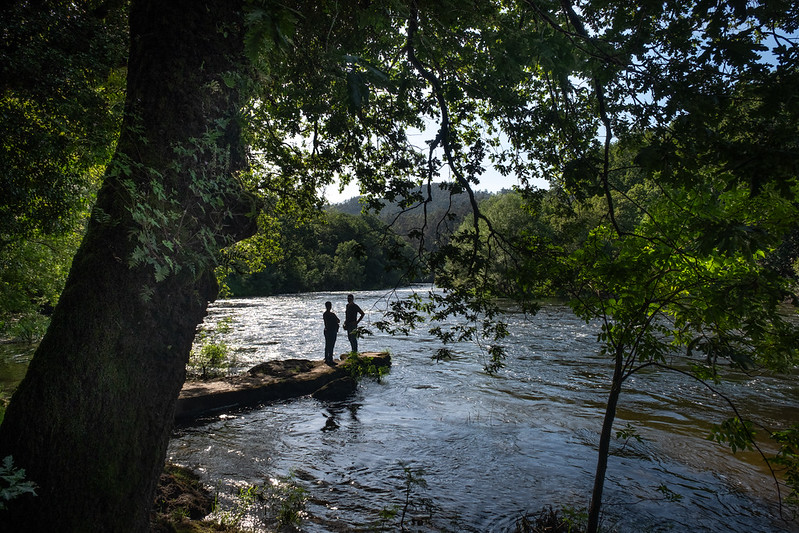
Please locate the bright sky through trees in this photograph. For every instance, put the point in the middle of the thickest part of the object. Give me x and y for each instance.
(491, 180)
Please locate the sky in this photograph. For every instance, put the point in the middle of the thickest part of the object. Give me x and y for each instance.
(491, 181)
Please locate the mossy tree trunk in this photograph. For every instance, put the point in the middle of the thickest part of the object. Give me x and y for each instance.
(91, 421)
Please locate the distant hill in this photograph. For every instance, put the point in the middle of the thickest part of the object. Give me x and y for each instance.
(350, 207)
(445, 212)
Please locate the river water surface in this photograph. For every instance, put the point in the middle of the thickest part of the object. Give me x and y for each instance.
(484, 450)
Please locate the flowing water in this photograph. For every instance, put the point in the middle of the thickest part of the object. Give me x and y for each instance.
(484, 450)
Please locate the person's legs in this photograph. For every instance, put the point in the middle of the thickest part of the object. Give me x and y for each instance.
(330, 341)
(332, 344)
(353, 340)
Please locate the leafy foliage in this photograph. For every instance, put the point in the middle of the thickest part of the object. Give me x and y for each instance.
(359, 367)
(211, 356)
(787, 458)
(32, 275)
(61, 91)
(14, 484)
(739, 434)
(60, 99)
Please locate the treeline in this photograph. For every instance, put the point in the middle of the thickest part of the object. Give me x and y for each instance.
(536, 237)
(336, 251)
(340, 249)
(348, 246)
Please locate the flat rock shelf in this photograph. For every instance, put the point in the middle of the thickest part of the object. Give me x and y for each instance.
(270, 381)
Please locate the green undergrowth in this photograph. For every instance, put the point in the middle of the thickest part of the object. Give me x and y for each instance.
(182, 503)
(360, 367)
(211, 356)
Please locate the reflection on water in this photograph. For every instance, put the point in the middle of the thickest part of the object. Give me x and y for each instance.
(490, 447)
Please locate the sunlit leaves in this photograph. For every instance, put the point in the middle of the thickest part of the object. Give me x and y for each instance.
(32, 275)
(60, 102)
(403, 315)
(674, 280)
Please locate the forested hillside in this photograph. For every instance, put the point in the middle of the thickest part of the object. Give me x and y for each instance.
(335, 251)
(350, 246)
(429, 215)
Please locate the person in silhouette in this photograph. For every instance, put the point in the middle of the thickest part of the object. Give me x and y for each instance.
(331, 331)
(352, 316)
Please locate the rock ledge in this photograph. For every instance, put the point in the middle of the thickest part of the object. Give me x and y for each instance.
(269, 381)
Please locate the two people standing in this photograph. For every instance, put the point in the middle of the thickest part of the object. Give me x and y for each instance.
(353, 314)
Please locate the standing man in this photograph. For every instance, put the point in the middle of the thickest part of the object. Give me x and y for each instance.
(352, 316)
(331, 332)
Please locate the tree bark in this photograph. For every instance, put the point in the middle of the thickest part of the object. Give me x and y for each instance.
(595, 506)
(91, 420)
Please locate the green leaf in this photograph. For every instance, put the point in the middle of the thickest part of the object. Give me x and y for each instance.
(738, 434)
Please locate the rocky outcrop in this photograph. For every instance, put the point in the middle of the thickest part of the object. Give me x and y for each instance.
(270, 381)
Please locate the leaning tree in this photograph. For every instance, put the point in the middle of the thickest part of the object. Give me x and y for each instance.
(91, 420)
(231, 109)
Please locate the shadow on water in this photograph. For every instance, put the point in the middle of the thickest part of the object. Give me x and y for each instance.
(489, 448)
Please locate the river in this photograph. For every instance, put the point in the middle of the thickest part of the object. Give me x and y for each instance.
(483, 449)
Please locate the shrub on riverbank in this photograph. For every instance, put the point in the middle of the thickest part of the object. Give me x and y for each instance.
(372, 367)
(182, 503)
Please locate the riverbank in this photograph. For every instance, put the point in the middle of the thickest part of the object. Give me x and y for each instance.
(275, 380)
(183, 505)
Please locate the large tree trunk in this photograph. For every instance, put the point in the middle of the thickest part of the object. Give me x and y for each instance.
(91, 421)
